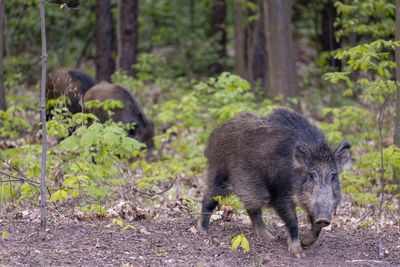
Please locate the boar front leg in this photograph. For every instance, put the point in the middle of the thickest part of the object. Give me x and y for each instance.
(287, 213)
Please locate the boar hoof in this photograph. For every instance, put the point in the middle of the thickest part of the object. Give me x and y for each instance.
(295, 249)
(264, 233)
(201, 228)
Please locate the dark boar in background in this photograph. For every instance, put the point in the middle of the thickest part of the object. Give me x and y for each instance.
(71, 83)
(279, 160)
(132, 111)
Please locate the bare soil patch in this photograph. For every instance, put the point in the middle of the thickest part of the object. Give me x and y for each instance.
(167, 240)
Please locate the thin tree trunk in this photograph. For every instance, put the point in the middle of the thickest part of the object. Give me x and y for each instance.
(240, 41)
(250, 50)
(258, 57)
(127, 35)
(43, 118)
(2, 90)
(281, 69)
(104, 38)
(397, 127)
(192, 14)
(327, 38)
(218, 30)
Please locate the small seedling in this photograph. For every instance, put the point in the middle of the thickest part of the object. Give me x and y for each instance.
(240, 239)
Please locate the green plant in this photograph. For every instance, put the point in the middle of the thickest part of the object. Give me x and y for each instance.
(120, 223)
(375, 60)
(240, 240)
(11, 124)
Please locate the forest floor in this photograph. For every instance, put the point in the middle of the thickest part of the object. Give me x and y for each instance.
(168, 237)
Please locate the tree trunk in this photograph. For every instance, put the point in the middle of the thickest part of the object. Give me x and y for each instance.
(250, 50)
(397, 127)
(104, 40)
(2, 90)
(281, 68)
(218, 30)
(240, 41)
(258, 57)
(127, 35)
(327, 38)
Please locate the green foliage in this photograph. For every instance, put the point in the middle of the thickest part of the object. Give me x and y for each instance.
(371, 18)
(102, 144)
(240, 240)
(374, 61)
(69, 33)
(367, 223)
(180, 34)
(11, 123)
(151, 67)
(120, 223)
(230, 200)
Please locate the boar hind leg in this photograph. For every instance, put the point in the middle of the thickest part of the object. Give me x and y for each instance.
(259, 225)
(312, 235)
(218, 187)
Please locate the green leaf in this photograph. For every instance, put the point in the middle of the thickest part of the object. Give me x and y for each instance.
(4, 235)
(129, 227)
(236, 242)
(70, 143)
(245, 244)
(59, 195)
(218, 199)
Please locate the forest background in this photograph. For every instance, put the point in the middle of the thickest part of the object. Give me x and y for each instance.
(193, 65)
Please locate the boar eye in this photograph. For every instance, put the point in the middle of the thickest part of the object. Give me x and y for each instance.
(334, 177)
(310, 177)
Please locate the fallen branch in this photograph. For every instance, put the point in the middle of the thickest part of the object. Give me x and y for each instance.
(154, 194)
(371, 261)
(358, 223)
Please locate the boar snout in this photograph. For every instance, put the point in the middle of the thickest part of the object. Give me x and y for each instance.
(322, 222)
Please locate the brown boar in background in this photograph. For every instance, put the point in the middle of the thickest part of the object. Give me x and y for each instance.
(132, 111)
(70, 83)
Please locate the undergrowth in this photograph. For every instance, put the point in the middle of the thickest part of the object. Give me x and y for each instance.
(97, 162)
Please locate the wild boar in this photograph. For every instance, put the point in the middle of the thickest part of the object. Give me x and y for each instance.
(280, 160)
(132, 111)
(70, 83)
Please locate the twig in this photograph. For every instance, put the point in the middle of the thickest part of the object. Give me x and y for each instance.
(9, 180)
(64, 6)
(380, 250)
(372, 261)
(380, 118)
(13, 167)
(155, 194)
(362, 219)
(364, 216)
(29, 181)
(394, 217)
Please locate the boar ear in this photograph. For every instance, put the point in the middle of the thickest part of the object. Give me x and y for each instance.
(342, 155)
(301, 155)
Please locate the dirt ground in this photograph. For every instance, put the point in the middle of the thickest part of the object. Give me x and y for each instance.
(170, 239)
